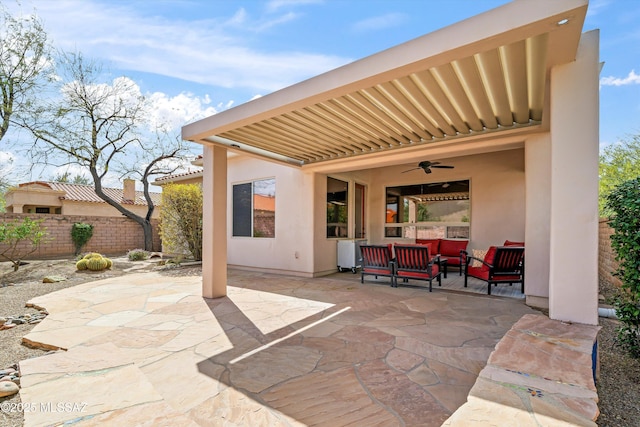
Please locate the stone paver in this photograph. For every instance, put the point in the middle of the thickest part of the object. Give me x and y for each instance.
(146, 349)
(540, 374)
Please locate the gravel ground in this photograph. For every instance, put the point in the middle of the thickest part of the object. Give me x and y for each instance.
(618, 385)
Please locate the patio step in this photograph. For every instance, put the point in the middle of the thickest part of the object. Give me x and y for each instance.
(540, 373)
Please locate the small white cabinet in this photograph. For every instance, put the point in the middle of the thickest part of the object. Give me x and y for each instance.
(349, 254)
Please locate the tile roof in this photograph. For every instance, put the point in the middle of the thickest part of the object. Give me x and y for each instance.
(86, 193)
(179, 176)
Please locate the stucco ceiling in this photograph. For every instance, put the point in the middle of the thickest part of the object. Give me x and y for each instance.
(484, 75)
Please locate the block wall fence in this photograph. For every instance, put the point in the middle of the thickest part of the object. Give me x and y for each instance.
(607, 263)
(111, 235)
(117, 235)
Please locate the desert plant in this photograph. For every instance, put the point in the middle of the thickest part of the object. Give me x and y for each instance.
(94, 261)
(91, 255)
(96, 264)
(624, 203)
(80, 234)
(181, 219)
(81, 264)
(19, 239)
(137, 255)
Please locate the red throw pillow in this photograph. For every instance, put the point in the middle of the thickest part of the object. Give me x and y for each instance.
(510, 243)
(452, 248)
(435, 245)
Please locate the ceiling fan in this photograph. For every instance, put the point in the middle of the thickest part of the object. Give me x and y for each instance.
(427, 165)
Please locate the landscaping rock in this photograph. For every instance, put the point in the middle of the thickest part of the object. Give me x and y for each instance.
(53, 279)
(8, 388)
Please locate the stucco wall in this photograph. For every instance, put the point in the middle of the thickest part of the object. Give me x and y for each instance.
(292, 248)
(607, 263)
(301, 246)
(111, 235)
(497, 195)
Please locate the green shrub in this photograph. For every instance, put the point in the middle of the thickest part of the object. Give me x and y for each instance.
(20, 238)
(137, 255)
(80, 234)
(624, 202)
(181, 219)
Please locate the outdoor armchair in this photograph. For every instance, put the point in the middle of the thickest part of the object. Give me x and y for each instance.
(501, 264)
(377, 260)
(416, 263)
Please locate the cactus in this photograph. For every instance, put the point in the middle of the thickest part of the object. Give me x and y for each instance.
(96, 263)
(109, 263)
(82, 264)
(91, 255)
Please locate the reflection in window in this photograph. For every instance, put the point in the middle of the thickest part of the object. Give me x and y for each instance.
(337, 207)
(428, 211)
(254, 208)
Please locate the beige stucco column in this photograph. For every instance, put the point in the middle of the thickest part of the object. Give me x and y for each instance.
(537, 157)
(573, 273)
(17, 208)
(214, 222)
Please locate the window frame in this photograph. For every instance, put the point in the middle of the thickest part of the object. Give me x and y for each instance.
(250, 216)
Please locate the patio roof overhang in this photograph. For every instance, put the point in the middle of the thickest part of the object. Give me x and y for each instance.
(479, 85)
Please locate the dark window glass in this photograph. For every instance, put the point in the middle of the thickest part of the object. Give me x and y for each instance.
(242, 210)
(337, 208)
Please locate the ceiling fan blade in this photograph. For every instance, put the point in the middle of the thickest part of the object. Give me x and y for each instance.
(411, 170)
(443, 166)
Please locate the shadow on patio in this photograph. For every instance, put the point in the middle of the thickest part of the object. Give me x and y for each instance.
(276, 351)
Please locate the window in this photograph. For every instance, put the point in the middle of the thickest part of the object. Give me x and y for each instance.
(337, 207)
(428, 211)
(254, 208)
(43, 210)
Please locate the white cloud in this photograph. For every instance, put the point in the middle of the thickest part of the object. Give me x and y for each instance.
(171, 113)
(377, 23)
(632, 78)
(274, 5)
(208, 51)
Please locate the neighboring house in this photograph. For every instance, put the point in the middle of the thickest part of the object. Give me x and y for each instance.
(190, 177)
(41, 197)
(508, 97)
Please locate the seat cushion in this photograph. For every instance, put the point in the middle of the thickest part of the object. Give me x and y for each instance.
(435, 245)
(379, 271)
(481, 274)
(452, 248)
(419, 274)
(510, 243)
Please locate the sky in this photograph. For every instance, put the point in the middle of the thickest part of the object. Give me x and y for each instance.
(198, 57)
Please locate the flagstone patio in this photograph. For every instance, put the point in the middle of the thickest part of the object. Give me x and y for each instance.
(146, 349)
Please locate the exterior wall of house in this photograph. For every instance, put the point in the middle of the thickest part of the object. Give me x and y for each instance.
(22, 201)
(292, 250)
(497, 195)
(538, 214)
(301, 245)
(70, 207)
(111, 235)
(573, 284)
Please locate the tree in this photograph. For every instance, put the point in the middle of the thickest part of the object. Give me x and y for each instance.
(181, 219)
(19, 239)
(619, 162)
(66, 177)
(24, 62)
(624, 203)
(101, 127)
